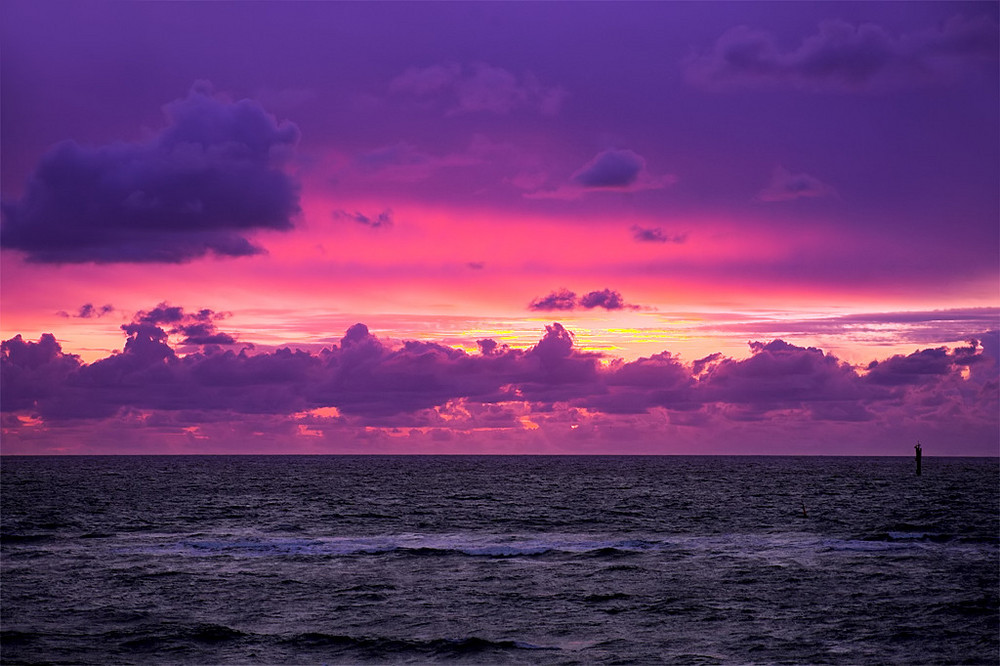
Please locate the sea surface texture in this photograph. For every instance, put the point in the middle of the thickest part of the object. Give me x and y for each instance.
(547, 560)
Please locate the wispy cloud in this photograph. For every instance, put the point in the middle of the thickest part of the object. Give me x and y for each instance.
(404, 162)
(845, 57)
(787, 186)
(381, 220)
(88, 311)
(655, 235)
(477, 88)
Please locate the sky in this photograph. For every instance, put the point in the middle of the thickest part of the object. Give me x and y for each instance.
(552, 228)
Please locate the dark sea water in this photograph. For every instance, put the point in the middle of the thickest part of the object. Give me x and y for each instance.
(547, 560)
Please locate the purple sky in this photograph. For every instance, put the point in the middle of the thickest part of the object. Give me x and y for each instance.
(567, 227)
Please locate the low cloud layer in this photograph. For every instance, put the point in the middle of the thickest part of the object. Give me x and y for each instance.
(369, 382)
(844, 57)
(203, 185)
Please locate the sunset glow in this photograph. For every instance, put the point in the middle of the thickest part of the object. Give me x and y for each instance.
(564, 228)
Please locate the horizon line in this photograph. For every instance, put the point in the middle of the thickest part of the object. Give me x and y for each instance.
(484, 455)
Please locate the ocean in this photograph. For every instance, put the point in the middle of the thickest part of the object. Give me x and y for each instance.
(492, 560)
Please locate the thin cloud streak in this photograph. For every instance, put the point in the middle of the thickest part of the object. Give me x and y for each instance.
(843, 57)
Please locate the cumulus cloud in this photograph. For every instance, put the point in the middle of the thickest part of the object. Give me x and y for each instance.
(212, 177)
(609, 171)
(779, 376)
(564, 299)
(655, 235)
(919, 367)
(382, 220)
(661, 380)
(204, 333)
(612, 168)
(32, 371)
(561, 299)
(605, 298)
(478, 87)
(194, 328)
(842, 57)
(366, 381)
(786, 186)
(161, 314)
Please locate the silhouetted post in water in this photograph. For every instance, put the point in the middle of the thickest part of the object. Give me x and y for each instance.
(917, 447)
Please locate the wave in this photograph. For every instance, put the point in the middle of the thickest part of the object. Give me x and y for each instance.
(160, 636)
(775, 548)
(984, 606)
(602, 598)
(214, 633)
(175, 637)
(451, 647)
(401, 545)
(928, 536)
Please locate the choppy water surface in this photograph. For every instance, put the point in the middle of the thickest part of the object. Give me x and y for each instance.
(549, 560)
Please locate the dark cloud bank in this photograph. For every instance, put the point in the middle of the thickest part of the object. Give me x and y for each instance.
(368, 381)
(201, 186)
